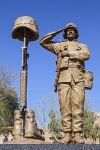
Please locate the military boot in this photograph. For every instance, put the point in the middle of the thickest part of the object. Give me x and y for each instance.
(78, 138)
(30, 125)
(17, 130)
(67, 139)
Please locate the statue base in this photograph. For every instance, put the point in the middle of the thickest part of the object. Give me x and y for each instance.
(26, 141)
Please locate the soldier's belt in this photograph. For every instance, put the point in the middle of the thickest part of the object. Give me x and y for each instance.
(63, 68)
(69, 66)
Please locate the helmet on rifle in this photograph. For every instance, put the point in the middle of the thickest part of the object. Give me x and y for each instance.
(70, 25)
(25, 23)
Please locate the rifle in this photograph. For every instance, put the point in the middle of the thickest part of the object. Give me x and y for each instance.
(23, 81)
(23, 75)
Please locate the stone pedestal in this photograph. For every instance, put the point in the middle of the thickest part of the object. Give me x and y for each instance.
(42, 146)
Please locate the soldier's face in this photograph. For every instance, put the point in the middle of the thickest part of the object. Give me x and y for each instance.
(71, 34)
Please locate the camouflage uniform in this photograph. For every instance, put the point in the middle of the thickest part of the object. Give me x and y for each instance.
(71, 89)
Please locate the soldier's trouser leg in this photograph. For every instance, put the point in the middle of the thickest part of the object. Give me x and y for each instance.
(64, 93)
(77, 103)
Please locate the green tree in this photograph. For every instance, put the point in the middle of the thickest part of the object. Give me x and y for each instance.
(54, 126)
(88, 123)
(8, 101)
(96, 133)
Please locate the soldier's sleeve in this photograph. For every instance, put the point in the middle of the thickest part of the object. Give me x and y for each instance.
(46, 42)
(81, 53)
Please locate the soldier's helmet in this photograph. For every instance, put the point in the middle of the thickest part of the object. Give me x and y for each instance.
(25, 23)
(70, 25)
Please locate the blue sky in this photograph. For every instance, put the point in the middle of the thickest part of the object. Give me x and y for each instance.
(50, 15)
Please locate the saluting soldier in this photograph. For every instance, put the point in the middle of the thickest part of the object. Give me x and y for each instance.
(69, 80)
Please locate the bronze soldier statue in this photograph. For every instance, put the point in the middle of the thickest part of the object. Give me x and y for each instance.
(69, 80)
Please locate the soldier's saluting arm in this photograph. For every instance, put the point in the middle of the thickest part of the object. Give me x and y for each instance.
(46, 42)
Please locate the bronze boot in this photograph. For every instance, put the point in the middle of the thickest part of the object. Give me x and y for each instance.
(30, 125)
(17, 130)
(67, 138)
(78, 138)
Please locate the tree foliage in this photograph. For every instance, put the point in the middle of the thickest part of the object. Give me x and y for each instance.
(88, 123)
(8, 100)
(96, 133)
(54, 126)
(90, 131)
